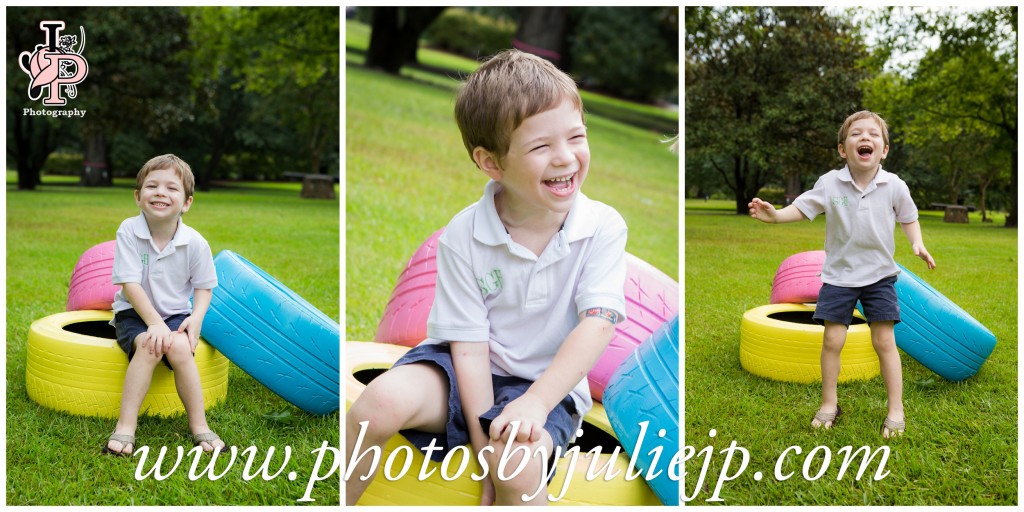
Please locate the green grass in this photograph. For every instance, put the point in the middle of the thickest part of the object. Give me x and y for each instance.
(408, 174)
(54, 458)
(660, 120)
(961, 443)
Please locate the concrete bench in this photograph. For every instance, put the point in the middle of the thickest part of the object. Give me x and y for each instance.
(955, 214)
(317, 186)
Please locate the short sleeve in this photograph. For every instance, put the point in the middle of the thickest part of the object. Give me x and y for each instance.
(127, 265)
(903, 204)
(458, 312)
(603, 277)
(202, 272)
(812, 202)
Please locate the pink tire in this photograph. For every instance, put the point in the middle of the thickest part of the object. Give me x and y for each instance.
(405, 317)
(652, 298)
(91, 286)
(798, 278)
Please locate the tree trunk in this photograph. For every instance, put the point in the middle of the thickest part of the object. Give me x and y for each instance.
(96, 169)
(395, 35)
(542, 31)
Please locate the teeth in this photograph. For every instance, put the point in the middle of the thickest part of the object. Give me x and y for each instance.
(566, 178)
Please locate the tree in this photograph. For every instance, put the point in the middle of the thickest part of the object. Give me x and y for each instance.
(137, 80)
(962, 95)
(766, 90)
(31, 139)
(542, 32)
(395, 34)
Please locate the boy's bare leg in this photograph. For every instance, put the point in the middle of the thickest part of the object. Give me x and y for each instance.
(831, 348)
(521, 488)
(189, 387)
(884, 341)
(136, 384)
(412, 396)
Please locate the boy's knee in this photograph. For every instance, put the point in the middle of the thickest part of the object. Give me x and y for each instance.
(181, 349)
(383, 408)
(521, 474)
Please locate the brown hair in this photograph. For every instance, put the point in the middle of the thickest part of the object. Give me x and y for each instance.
(172, 162)
(863, 114)
(510, 87)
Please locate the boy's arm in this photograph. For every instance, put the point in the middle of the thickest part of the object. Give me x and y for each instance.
(194, 323)
(766, 212)
(574, 360)
(158, 334)
(472, 364)
(913, 232)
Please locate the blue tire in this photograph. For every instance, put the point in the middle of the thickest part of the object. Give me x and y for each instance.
(938, 333)
(646, 388)
(274, 335)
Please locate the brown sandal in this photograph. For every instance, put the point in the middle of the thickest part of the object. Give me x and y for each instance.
(126, 440)
(896, 428)
(827, 418)
(208, 437)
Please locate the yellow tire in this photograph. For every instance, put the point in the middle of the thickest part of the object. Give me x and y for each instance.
(782, 342)
(74, 365)
(363, 359)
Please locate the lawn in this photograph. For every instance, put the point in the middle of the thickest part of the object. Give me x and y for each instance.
(54, 458)
(961, 442)
(408, 174)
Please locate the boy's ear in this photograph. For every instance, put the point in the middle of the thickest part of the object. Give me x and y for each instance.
(842, 152)
(187, 204)
(487, 162)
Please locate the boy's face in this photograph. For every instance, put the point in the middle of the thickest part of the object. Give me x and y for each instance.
(864, 147)
(162, 196)
(547, 161)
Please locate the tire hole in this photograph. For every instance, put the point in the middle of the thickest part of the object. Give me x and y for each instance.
(803, 317)
(365, 376)
(95, 328)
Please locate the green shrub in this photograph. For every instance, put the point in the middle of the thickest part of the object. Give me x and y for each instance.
(468, 33)
(63, 164)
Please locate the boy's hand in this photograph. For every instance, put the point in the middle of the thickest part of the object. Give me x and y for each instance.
(531, 414)
(762, 211)
(158, 339)
(191, 326)
(922, 253)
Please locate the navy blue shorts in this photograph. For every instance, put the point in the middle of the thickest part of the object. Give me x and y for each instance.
(836, 303)
(560, 423)
(128, 325)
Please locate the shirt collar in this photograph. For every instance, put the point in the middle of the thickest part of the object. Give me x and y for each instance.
(142, 231)
(882, 176)
(488, 229)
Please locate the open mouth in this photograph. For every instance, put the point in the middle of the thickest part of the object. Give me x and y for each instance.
(562, 185)
(865, 150)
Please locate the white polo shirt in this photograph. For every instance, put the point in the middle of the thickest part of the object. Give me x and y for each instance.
(167, 276)
(490, 288)
(859, 243)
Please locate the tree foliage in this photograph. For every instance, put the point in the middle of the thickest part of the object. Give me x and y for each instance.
(239, 92)
(766, 91)
(957, 105)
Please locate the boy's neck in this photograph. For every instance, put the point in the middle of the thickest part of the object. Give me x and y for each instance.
(863, 177)
(515, 217)
(162, 231)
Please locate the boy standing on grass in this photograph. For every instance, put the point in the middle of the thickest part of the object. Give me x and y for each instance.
(861, 202)
(529, 289)
(159, 261)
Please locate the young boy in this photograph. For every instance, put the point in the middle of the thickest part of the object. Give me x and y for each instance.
(861, 202)
(159, 261)
(529, 289)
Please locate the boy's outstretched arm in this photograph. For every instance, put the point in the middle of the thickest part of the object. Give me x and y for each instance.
(574, 360)
(765, 212)
(913, 232)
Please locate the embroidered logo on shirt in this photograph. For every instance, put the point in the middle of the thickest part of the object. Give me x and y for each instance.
(840, 201)
(145, 259)
(490, 282)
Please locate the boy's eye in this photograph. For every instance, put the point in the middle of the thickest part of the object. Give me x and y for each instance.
(539, 147)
